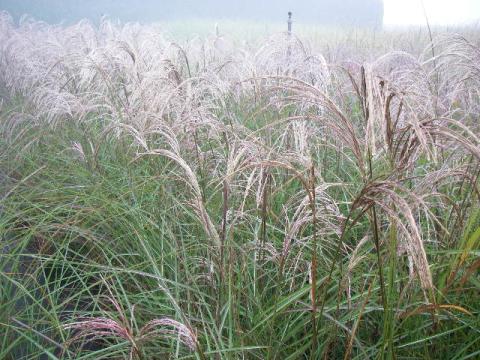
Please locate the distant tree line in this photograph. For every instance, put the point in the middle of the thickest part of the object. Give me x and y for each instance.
(323, 12)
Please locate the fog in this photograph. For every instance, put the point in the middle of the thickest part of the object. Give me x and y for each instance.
(368, 13)
(438, 12)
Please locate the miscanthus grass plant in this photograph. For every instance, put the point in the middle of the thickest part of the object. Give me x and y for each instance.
(211, 200)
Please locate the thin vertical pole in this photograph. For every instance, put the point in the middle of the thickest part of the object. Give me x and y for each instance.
(289, 23)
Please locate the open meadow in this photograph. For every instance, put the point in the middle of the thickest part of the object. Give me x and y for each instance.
(246, 193)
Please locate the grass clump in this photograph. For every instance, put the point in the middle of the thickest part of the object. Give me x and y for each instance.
(207, 201)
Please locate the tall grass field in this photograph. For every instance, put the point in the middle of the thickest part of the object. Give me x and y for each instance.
(312, 195)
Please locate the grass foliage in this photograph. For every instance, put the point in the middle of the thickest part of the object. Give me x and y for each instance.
(211, 200)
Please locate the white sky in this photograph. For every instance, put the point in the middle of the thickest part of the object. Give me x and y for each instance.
(439, 12)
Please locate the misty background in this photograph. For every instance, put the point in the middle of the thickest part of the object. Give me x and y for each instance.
(358, 13)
